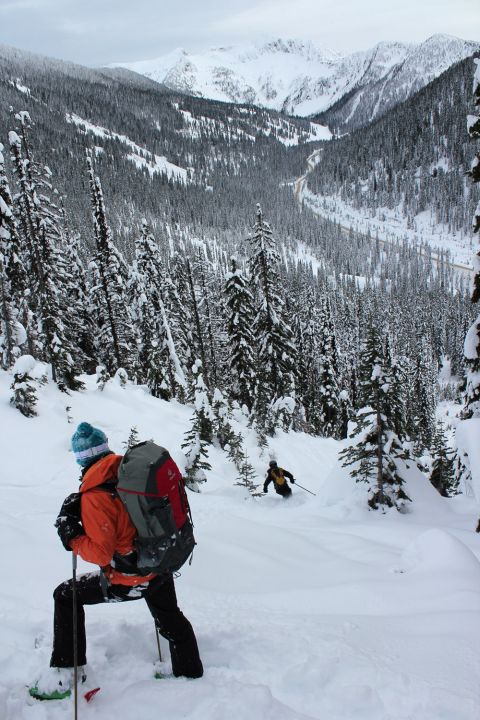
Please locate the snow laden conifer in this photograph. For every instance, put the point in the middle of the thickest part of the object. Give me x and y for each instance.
(114, 333)
(423, 397)
(24, 387)
(200, 434)
(472, 340)
(275, 402)
(39, 224)
(241, 342)
(378, 449)
(158, 362)
(78, 298)
(211, 319)
(305, 329)
(190, 316)
(329, 391)
(12, 277)
(442, 476)
(471, 409)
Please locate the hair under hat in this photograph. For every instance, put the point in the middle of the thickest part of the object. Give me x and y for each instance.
(89, 444)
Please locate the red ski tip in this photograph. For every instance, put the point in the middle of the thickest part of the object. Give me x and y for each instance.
(90, 694)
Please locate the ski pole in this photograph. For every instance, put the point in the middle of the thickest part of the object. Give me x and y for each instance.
(301, 486)
(157, 635)
(75, 635)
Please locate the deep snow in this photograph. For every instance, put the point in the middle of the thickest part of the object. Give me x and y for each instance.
(310, 608)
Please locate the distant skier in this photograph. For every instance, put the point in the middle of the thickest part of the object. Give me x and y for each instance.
(277, 475)
(96, 526)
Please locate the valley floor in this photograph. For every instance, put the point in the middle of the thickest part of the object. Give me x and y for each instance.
(308, 608)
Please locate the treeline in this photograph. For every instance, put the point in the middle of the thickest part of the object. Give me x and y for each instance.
(286, 341)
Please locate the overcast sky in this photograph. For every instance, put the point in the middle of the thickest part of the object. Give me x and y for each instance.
(96, 32)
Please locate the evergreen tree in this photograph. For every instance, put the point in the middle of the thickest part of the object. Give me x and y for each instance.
(12, 277)
(133, 438)
(200, 435)
(240, 316)
(374, 457)
(158, 362)
(274, 338)
(442, 476)
(40, 221)
(24, 396)
(328, 361)
(115, 337)
(77, 296)
(423, 396)
(472, 340)
(247, 475)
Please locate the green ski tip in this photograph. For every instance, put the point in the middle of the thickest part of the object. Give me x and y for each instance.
(54, 695)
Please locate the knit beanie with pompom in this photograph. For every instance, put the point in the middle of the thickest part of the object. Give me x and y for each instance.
(89, 444)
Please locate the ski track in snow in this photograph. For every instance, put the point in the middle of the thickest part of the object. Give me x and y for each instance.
(314, 608)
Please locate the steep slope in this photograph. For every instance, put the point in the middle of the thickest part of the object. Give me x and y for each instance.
(298, 78)
(307, 609)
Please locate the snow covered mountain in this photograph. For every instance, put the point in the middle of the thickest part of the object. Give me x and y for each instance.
(298, 78)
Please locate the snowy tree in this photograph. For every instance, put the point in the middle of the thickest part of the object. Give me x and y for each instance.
(77, 296)
(329, 369)
(374, 456)
(133, 438)
(442, 476)
(115, 337)
(200, 435)
(247, 475)
(24, 387)
(472, 340)
(159, 365)
(422, 399)
(12, 277)
(241, 343)
(274, 338)
(103, 376)
(40, 220)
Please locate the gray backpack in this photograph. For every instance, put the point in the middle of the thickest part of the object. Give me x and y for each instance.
(152, 489)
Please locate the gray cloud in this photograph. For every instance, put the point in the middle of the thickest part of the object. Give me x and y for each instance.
(95, 32)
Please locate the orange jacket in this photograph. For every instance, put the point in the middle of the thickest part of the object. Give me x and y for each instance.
(107, 525)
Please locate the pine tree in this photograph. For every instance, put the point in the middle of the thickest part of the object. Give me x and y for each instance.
(40, 221)
(158, 362)
(472, 340)
(133, 438)
(329, 369)
(374, 457)
(442, 476)
(24, 396)
(423, 396)
(200, 435)
(247, 475)
(241, 341)
(103, 376)
(77, 296)
(274, 338)
(115, 337)
(12, 277)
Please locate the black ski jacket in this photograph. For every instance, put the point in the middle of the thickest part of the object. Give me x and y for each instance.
(277, 475)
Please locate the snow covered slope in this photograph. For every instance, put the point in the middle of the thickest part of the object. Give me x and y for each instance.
(299, 78)
(310, 608)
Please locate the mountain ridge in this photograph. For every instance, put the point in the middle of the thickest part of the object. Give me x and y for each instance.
(298, 78)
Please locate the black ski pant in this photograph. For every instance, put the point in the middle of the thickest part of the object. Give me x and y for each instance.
(161, 599)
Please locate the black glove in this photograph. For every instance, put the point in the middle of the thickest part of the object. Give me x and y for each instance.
(68, 522)
(478, 527)
(292, 481)
(265, 490)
